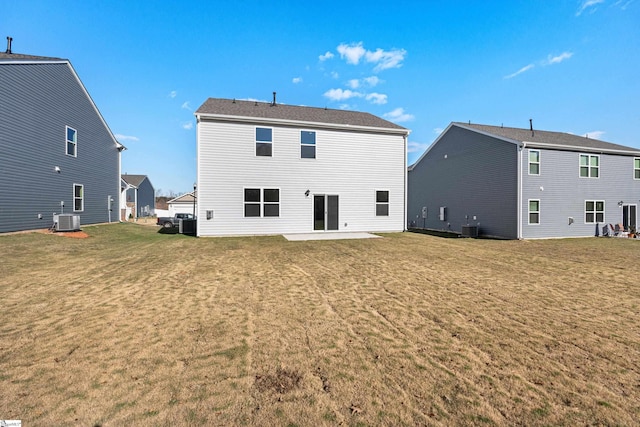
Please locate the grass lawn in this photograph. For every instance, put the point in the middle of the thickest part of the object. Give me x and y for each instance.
(134, 327)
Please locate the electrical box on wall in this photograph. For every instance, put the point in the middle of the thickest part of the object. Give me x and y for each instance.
(443, 213)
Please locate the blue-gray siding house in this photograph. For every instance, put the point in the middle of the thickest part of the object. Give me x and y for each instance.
(140, 195)
(523, 183)
(58, 154)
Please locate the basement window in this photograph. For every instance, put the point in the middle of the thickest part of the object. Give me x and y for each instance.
(593, 211)
(72, 141)
(264, 142)
(382, 203)
(307, 144)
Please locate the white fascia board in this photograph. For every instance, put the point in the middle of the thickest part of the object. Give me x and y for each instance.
(321, 125)
(580, 149)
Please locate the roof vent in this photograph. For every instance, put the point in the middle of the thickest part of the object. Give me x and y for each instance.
(9, 40)
(273, 104)
(531, 126)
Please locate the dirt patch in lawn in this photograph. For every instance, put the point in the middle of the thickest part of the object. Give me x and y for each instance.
(133, 327)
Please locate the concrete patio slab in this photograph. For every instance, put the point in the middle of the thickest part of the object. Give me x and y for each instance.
(329, 236)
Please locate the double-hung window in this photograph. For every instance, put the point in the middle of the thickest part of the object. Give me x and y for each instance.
(593, 211)
(307, 144)
(78, 197)
(264, 142)
(382, 203)
(589, 166)
(534, 211)
(261, 202)
(636, 168)
(72, 141)
(534, 162)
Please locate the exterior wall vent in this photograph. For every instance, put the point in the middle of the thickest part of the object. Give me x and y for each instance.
(67, 222)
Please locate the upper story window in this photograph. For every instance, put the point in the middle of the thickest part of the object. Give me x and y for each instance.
(534, 162)
(261, 202)
(264, 142)
(636, 168)
(382, 203)
(78, 197)
(307, 144)
(589, 166)
(593, 211)
(534, 211)
(72, 142)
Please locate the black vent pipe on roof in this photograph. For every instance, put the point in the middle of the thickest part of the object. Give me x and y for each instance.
(531, 126)
(9, 40)
(273, 104)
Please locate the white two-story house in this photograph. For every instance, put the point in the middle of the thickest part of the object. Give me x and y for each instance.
(268, 168)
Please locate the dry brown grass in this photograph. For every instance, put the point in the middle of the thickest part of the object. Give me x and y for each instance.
(132, 327)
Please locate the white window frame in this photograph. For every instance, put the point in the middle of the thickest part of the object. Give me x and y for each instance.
(595, 212)
(73, 143)
(636, 169)
(255, 134)
(262, 203)
(589, 166)
(81, 198)
(314, 145)
(377, 203)
(533, 212)
(534, 163)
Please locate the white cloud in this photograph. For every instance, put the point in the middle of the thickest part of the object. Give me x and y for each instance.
(353, 83)
(596, 134)
(398, 115)
(352, 52)
(173, 94)
(586, 4)
(372, 81)
(520, 71)
(187, 125)
(416, 147)
(296, 80)
(559, 58)
(326, 56)
(334, 75)
(121, 137)
(341, 95)
(438, 131)
(185, 106)
(376, 98)
(386, 59)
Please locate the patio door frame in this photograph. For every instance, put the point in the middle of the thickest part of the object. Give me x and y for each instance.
(326, 212)
(629, 218)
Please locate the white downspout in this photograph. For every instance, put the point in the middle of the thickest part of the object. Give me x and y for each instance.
(406, 173)
(522, 150)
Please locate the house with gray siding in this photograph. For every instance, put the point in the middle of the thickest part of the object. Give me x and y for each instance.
(139, 195)
(59, 155)
(523, 183)
(269, 168)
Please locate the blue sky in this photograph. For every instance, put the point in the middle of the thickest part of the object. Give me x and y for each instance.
(570, 65)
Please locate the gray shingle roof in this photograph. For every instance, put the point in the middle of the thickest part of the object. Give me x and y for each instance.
(134, 180)
(22, 57)
(265, 110)
(559, 139)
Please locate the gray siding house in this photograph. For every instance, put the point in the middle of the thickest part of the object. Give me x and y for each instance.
(523, 183)
(139, 195)
(59, 155)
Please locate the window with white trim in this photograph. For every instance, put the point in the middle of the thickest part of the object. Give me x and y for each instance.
(534, 162)
(593, 211)
(264, 142)
(382, 203)
(261, 202)
(589, 166)
(636, 168)
(78, 197)
(307, 144)
(534, 211)
(72, 141)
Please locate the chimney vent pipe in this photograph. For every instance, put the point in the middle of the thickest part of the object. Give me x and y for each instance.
(9, 40)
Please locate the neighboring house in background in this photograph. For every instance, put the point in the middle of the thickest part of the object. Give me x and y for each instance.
(139, 196)
(58, 154)
(267, 168)
(523, 183)
(185, 203)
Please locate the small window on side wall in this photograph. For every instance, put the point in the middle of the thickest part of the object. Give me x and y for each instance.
(264, 142)
(78, 197)
(534, 162)
(307, 144)
(534, 211)
(72, 142)
(636, 168)
(382, 203)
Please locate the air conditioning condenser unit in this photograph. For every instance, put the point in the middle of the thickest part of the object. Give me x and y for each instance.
(67, 222)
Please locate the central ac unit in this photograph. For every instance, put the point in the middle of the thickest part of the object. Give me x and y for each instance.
(68, 222)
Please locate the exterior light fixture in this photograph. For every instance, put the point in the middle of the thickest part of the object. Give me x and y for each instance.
(306, 193)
